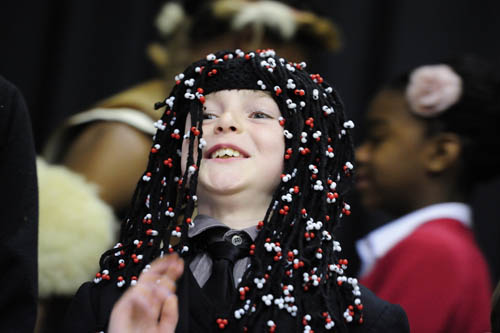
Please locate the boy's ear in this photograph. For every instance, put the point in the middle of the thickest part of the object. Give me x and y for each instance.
(443, 152)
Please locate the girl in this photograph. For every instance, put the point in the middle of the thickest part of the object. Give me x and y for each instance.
(430, 139)
(246, 181)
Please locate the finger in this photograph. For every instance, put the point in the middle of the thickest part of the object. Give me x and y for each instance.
(174, 271)
(158, 267)
(145, 293)
(169, 314)
(165, 282)
(133, 312)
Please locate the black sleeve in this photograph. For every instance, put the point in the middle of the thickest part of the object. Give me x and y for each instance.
(381, 316)
(81, 316)
(91, 307)
(18, 214)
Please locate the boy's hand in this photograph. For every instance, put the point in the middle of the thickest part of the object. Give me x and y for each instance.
(151, 305)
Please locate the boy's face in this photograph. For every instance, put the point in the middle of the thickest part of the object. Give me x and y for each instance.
(390, 164)
(245, 144)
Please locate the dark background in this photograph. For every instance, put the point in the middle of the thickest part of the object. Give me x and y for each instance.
(64, 55)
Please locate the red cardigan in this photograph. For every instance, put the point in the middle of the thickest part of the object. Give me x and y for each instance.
(440, 278)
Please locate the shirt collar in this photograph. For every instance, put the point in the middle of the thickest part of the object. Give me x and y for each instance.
(205, 222)
(381, 240)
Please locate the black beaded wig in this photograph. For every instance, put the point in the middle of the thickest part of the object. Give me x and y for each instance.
(296, 267)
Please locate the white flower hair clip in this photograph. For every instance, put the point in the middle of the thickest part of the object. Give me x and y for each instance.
(432, 89)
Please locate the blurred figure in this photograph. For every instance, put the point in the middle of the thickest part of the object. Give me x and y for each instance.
(91, 143)
(430, 139)
(87, 157)
(18, 215)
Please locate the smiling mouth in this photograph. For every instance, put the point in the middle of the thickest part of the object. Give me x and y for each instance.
(226, 153)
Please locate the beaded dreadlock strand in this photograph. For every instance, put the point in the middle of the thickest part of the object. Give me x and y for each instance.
(295, 244)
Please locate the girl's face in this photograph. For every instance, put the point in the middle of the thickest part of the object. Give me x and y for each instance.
(245, 144)
(390, 162)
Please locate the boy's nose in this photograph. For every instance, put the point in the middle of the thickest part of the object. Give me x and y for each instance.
(227, 123)
(221, 129)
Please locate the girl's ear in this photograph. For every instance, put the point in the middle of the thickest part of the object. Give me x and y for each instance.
(442, 152)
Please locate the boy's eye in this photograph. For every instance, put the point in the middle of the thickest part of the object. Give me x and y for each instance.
(260, 115)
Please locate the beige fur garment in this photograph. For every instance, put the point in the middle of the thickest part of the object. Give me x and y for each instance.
(75, 228)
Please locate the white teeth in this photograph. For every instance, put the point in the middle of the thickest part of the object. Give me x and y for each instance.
(225, 152)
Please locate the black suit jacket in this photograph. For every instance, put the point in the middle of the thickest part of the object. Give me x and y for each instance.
(92, 305)
(18, 214)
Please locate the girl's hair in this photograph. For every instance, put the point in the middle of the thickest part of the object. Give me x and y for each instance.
(295, 257)
(474, 117)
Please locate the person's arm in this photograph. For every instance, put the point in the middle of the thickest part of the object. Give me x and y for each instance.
(19, 214)
(112, 155)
